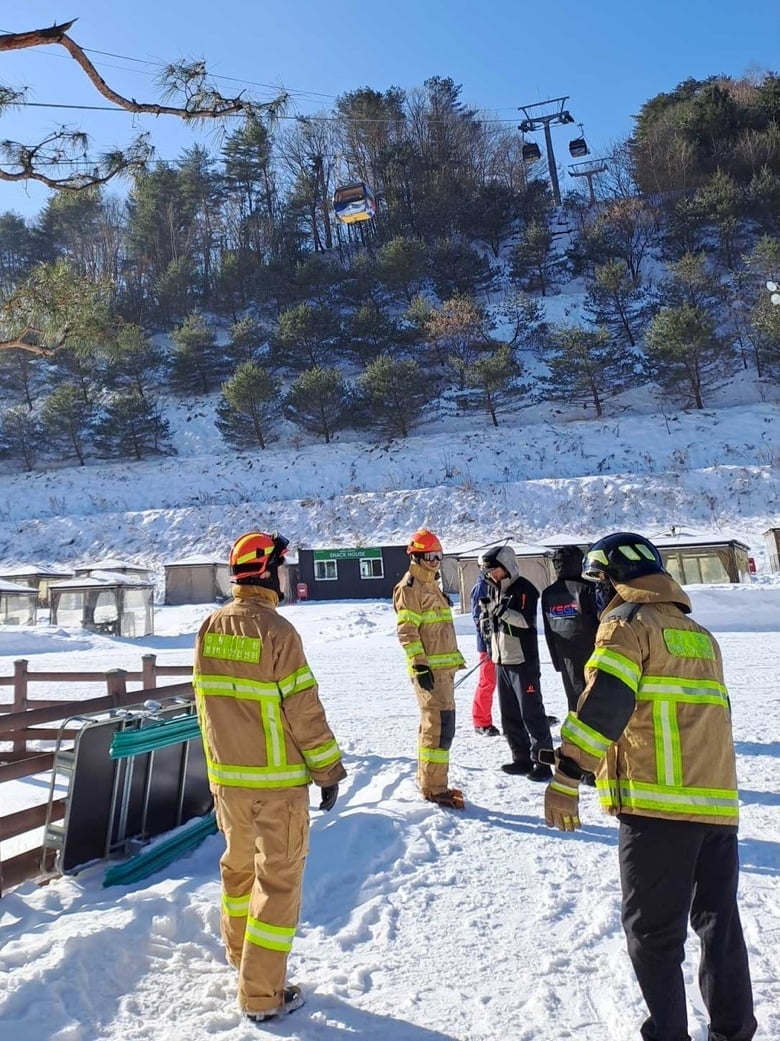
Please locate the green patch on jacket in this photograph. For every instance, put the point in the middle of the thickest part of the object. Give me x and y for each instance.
(687, 643)
(232, 648)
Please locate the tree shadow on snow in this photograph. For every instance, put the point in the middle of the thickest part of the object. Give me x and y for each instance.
(336, 1019)
(535, 825)
(771, 748)
(750, 798)
(759, 856)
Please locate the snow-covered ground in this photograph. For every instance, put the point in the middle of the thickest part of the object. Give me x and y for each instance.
(418, 924)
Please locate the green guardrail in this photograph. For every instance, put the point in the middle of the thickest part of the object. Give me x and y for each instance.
(137, 741)
(164, 853)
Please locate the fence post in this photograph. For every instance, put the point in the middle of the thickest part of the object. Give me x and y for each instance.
(116, 685)
(149, 671)
(20, 697)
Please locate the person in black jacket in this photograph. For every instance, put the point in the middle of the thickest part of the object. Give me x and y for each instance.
(508, 623)
(571, 618)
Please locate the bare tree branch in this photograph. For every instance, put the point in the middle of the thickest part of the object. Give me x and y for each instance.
(186, 81)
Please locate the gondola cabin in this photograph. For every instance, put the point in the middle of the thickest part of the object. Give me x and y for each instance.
(531, 152)
(578, 148)
(353, 203)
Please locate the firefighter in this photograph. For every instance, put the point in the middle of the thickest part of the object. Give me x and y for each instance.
(427, 635)
(654, 722)
(266, 739)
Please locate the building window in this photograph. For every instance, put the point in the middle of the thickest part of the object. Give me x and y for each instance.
(372, 567)
(325, 571)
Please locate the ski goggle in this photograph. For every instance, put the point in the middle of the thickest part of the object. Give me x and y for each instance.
(432, 558)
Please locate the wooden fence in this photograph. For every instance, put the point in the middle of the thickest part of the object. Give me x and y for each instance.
(23, 720)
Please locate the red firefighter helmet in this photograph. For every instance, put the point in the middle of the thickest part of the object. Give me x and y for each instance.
(254, 554)
(424, 541)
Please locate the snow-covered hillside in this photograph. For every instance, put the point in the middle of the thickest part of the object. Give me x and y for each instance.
(542, 471)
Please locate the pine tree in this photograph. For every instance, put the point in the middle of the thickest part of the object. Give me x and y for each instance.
(131, 361)
(249, 407)
(493, 375)
(535, 265)
(320, 402)
(131, 426)
(614, 302)
(198, 363)
(400, 267)
(584, 364)
(457, 269)
(20, 436)
(684, 353)
(392, 395)
(306, 337)
(67, 422)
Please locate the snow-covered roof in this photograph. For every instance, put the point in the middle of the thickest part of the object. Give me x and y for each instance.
(195, 559)
(102, 579)
(668, 539)
(36, 569)
(522, 549)
(111, 564)
(12, 587)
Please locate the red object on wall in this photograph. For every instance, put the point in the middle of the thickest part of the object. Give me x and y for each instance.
(751, 566)
(302, 591)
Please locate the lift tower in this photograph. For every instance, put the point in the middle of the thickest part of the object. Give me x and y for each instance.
(551, 113)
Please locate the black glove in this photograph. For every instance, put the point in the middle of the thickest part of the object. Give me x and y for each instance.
(485, 627)
(424, 676)
(329, 792)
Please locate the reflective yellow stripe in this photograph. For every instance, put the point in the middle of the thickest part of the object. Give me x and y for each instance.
(668, 750)
(615, 664)
(232, 687)
(272, 937)
(297, 681)
(321, 756)
(235, 906)
(434, 755)
(451, 660)
(584, 737)
(413, 649)
(675, 688)
(441, 614)
(258, 776)
(405, 615)
(699, 802)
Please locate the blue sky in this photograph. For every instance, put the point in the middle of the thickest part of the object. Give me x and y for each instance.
(607, 56)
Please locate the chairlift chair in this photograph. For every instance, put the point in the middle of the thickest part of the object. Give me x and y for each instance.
(578, 147)
(353, 203)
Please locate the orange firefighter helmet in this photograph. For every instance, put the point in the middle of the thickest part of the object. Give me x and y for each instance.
(424, 541)
(254, 555)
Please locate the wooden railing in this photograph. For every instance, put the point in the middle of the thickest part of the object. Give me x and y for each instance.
(22, 720)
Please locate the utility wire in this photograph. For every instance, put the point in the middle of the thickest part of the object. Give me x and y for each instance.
(236, 115)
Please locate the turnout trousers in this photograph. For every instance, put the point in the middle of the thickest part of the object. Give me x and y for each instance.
(523, 716)
(437, 729)
(266, 839)
(482, 705)
(668, 871)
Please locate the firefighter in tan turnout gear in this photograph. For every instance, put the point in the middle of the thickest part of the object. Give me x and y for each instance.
(654, 723)
(427, 635)
(266, 739)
